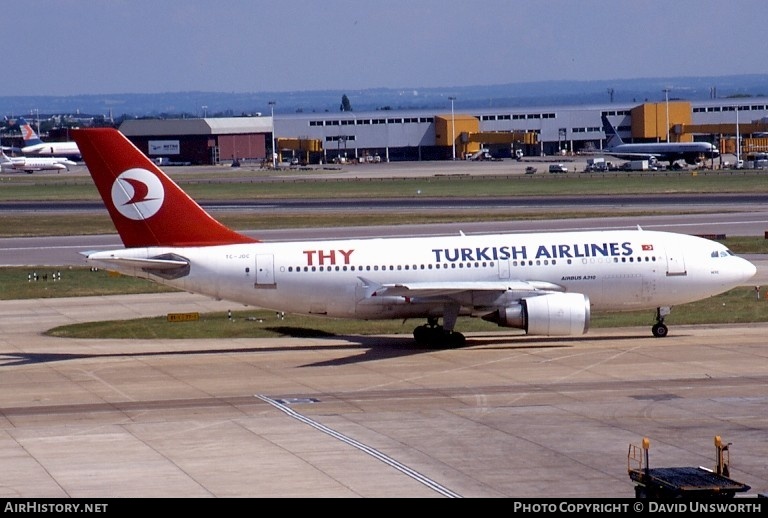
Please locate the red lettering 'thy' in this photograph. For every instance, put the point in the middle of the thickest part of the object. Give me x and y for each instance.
(324, 257)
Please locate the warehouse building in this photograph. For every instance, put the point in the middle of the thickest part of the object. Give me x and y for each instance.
(411, 135)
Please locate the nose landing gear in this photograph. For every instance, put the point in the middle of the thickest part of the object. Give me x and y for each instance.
(660, 329)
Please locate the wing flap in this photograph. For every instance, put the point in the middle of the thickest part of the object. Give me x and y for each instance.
(447, 289)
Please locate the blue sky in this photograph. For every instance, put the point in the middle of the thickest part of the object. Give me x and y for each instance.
(69, 47)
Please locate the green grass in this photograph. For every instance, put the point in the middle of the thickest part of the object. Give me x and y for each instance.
(220, 186)
(37, 225)
(512, 185)
(746, 244)
(19, 283)
(736, 306)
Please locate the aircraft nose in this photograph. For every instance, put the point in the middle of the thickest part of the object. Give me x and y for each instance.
(744, 270)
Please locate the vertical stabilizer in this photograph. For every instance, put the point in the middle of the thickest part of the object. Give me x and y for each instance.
(146, 206)
(611, 134)
(28, 134)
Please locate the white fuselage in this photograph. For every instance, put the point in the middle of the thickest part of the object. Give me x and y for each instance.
(52, 148)
(37, 163)
(616, 270)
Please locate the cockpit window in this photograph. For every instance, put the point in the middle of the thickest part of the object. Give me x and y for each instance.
(722, 253)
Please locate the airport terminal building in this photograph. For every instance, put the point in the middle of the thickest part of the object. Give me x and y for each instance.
(412, 135)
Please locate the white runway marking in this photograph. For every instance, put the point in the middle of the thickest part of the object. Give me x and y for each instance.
(362, 447)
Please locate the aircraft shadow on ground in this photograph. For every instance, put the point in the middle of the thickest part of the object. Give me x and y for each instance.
(368, 348)
(385, 347)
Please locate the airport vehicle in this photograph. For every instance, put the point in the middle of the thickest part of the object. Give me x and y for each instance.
(638, 165)
(33, 145)
(756, 160)
(31, 164)
(558, 168)
(482, 154)
(692, 152)
(685, 481)
(542, 283)
(597, 164)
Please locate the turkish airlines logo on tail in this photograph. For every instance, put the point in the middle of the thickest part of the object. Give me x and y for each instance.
(137, 194)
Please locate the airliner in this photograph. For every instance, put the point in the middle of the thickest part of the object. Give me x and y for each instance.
(31, 164)
(692, 152)
(33, 145)
(545, 284)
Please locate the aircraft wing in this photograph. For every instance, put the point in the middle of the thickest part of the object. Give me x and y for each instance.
(624, 155)
(638, 156)
(447, 289)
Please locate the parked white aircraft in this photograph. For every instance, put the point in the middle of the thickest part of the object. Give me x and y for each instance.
(33, 145)
(543, 283)
(31, 164)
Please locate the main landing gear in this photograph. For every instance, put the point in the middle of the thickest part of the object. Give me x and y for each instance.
(660, 329)
(436, 335)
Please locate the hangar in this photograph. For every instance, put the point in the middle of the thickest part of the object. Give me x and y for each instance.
(200, 141)
(403, 135)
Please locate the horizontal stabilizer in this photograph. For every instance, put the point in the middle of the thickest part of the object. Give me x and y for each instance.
(132, 262)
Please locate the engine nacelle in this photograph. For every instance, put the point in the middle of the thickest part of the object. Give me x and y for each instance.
(555, 314)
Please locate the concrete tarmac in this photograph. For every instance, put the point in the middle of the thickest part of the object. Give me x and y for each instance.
(359, 416)
(367, 416)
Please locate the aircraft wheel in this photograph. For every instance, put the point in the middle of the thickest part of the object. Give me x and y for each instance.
(455, 339)
(448, 339)
(659, 330)
(422, 334)
(436, 336)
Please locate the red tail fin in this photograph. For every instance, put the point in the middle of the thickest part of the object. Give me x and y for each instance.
(146, 206)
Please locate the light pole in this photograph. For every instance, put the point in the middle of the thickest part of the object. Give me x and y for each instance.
(453, 129)
(205, 111)
(274, 139)
(738, 138)
(666, 101)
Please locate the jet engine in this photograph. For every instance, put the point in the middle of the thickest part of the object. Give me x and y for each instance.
(554, 314)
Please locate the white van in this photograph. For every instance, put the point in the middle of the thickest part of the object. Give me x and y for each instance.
(558, 168)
